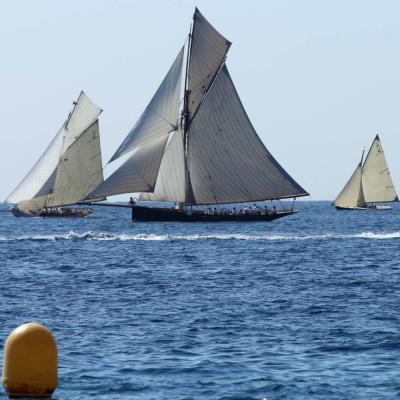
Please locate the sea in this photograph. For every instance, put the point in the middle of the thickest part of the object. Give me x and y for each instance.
(305, 307)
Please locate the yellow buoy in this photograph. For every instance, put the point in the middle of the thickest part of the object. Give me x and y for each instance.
(30, 362)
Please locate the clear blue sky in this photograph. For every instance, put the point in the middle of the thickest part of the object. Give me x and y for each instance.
(318, 79)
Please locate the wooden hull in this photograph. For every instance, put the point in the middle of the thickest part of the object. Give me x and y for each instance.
(140, 213)
(53, 212)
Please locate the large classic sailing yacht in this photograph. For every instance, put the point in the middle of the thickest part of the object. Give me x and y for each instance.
(370, 183)
(68, 170)
(203, 153)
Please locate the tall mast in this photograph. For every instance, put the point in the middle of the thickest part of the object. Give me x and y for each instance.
(189, 199)
(361, 193)
(362, 158)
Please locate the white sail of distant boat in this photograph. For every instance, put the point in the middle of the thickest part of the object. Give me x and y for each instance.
(370, 183)
(202, 150)
(71, 166)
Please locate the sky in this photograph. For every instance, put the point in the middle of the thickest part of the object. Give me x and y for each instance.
(318, 79)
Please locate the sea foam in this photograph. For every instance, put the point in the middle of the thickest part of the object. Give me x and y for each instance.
(106, 236)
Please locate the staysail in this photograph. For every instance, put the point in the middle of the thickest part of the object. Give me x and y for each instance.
(213, 155)
(71, 166)
(377, 182)
(40, 179)
(352, 194)
(170, 184)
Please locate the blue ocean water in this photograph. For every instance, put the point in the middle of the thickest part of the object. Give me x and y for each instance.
(306, 307)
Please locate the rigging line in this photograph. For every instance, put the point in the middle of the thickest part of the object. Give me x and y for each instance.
(163, 118)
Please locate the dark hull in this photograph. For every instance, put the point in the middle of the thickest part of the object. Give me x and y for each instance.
(54, 213)
(140, 213)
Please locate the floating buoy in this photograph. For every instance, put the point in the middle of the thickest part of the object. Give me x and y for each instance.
(30, 362)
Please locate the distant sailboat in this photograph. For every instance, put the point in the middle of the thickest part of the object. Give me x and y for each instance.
(370, 183)
(203, 153)
(67, 171)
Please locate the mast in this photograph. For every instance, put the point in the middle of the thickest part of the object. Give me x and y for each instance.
(362, 158)
(189, 198)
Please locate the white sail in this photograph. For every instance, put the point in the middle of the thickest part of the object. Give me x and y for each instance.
(218, 152)
(82, 116)
(160, 117)
(207, 53)
(228, 163)
(40, 179)
(170, 185)
(137, 174)
(377, 182)
(80, 169)
(70, 167)
(352, 194)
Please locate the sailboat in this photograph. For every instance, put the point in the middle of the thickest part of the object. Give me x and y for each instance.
(68, 170)
(202, 151)
(370, 183)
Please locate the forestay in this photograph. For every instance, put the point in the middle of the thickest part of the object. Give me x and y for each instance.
(228, 162)
(160, 117)
(377, 182)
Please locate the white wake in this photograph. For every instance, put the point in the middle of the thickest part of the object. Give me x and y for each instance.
(104, 236)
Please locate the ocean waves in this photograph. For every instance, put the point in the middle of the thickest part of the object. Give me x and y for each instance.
(106, 236)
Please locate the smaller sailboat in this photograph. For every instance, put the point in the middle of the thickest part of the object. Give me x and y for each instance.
(68, 170)
(370, 183)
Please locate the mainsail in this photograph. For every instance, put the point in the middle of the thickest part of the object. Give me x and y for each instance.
(70, 168)
(203, 150)
(377, 182)
(228, 162)
(370, 182)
